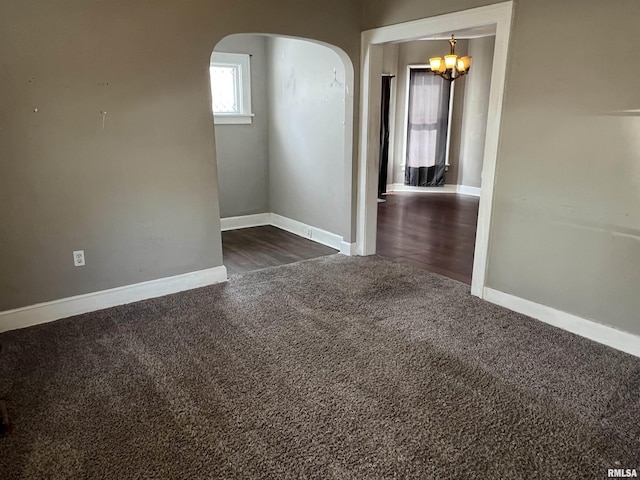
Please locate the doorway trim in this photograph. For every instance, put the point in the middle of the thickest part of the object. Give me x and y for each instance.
(499, 14)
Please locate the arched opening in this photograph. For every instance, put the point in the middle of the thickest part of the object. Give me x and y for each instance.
(283, 116)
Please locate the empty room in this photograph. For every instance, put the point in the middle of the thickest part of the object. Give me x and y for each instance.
(200, 276)
(280, 112)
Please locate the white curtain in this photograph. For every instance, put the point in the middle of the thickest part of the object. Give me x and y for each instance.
(427, 128)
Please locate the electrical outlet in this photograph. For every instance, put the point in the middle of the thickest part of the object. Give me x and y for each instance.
(78, 258)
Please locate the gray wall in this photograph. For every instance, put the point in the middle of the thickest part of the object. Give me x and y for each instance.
(565, 229)
(474, 112)
(418, 53)
(141, 196)
(242, 151)
(306, 133)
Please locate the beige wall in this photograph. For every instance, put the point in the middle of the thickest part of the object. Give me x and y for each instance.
(139, 196)
(566, 222)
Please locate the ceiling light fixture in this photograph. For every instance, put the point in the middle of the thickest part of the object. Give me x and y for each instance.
(451, 67)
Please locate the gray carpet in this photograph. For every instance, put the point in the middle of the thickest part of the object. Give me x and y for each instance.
(336, 367)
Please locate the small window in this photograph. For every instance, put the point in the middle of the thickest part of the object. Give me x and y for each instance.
(231, 88)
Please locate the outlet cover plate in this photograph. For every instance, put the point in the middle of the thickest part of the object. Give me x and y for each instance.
(78, 258)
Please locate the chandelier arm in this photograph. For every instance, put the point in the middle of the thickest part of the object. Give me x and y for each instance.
(460, 74)
(450, 76)
(447, 76)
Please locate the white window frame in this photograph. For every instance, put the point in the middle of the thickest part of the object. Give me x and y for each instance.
(242, 63)
(447, 164)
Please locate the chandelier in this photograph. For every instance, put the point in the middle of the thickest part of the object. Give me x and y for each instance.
(451, 67)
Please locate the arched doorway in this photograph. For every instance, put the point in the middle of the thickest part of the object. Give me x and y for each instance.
(283, 115)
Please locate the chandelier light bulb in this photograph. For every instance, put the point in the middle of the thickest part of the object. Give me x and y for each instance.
(450, 61)
(434, 63)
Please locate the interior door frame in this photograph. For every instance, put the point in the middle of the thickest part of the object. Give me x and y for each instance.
(500, 15)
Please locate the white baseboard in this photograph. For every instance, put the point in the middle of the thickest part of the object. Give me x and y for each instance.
(245, 221)
(460, 189)
(401, 187)
(302, 229)
(292, 226)
(348, 248)
(466, 190)
(68, 307)
(612, 337)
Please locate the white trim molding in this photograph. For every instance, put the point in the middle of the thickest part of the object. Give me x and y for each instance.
(292, 226)
(500, 15)
(459, 189)
(401, 187)
(245, 221)
(347, 248)
(604, 334)
(233, 119)
(466, 190)
(90, 302)
(302, 229)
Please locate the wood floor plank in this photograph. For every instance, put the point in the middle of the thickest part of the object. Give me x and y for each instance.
(255, 248)
(436, 232)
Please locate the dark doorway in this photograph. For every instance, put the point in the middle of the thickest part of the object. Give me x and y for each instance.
(384, 136)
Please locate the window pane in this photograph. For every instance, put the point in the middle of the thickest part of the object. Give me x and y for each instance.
(223, 89)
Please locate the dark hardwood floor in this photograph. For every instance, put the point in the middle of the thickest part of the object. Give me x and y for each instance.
(436, 232)
(261, 247)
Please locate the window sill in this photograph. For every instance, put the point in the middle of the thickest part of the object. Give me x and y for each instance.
(233, 119)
